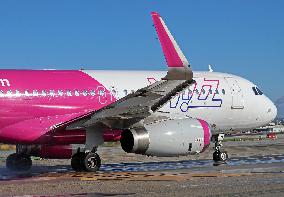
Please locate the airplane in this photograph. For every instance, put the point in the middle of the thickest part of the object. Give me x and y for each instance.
(68, 114)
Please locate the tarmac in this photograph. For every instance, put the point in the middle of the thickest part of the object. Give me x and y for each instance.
(255, 168)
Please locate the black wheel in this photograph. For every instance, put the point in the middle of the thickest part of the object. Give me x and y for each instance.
(220, 156)
(223, 156)
(216, 156)
(11, 161)
(77, 161)
(92, 162)
(18, 162)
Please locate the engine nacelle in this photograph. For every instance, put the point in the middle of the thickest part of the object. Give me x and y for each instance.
(171, 137)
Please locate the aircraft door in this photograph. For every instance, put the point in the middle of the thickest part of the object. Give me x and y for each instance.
(237, 94)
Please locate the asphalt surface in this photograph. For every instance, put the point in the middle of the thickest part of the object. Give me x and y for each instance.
(255, 168)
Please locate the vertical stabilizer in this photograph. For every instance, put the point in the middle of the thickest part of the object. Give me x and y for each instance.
(178, 65)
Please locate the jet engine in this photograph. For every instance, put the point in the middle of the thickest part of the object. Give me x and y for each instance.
(170, 137)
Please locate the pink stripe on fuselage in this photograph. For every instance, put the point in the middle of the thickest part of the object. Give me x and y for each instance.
(15, 108)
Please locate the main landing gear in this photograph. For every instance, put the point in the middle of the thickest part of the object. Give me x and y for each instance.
(18, 162)
(219, 156)
(89, 161)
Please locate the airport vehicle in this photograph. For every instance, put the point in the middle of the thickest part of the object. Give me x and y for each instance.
(47, 113)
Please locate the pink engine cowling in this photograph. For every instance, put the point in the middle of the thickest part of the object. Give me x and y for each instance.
(207, 134)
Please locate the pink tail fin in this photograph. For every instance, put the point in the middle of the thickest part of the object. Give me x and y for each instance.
(177, 62)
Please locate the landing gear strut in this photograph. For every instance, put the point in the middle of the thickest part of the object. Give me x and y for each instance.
(90, 161)
(18, 162)
(218, 155)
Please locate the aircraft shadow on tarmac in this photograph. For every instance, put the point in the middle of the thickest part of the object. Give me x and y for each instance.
(140, 166)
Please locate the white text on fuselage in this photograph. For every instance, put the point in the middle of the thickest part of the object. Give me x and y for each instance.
(5, 82)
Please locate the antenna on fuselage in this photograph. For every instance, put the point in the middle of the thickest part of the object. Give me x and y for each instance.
(210, 69)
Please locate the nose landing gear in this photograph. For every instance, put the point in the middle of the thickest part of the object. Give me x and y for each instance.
(219, 156)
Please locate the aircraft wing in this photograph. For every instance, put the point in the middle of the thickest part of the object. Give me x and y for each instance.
(141, 104)
(135, 107)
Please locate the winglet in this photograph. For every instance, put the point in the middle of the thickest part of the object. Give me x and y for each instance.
(178, 66)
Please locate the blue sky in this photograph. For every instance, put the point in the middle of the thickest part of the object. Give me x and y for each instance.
(242, 37)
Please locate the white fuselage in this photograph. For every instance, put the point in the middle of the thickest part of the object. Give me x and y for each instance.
(227, 102)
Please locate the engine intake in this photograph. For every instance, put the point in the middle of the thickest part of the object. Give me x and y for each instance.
(135, 141)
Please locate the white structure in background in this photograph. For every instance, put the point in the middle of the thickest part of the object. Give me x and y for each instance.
(271, 128)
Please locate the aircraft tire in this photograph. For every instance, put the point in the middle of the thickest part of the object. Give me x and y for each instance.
(92, 162)
(76, 162)
(216, 156)
(220, 156)
(18, 162)
(223, 156)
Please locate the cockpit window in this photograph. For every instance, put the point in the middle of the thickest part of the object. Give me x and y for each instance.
(257, 91)
(254, 90)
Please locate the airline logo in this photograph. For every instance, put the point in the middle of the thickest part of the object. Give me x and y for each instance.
(204, 94)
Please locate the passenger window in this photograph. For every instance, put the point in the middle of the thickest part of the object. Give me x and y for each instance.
(217, 91)
(9, 93)
(223, 91)
(85, 92)
(43, 93)
(52, 93)
(101, 92)
(77, 93)
(125, 92)
(203, 91)
(189, 91)
(35, 93)
(196, 91)
(92, 93)
(27, 93)
(210, 91)
(60, 92)
(69, 92)
(18, 93)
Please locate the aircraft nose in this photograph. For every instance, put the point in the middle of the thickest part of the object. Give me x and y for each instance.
(272, 110)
